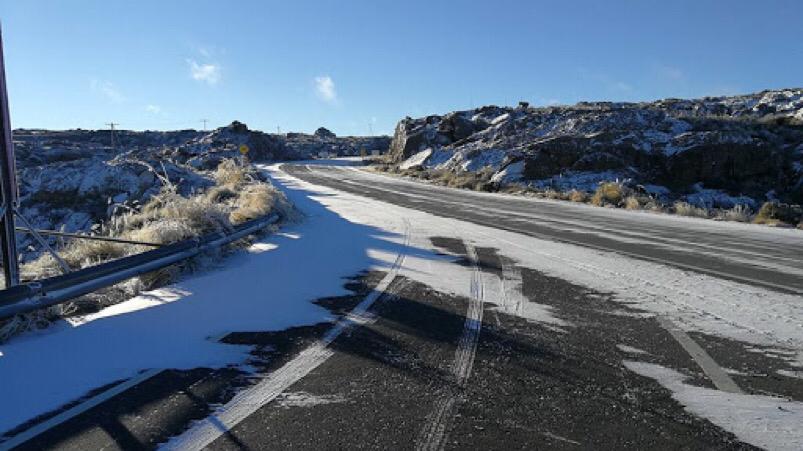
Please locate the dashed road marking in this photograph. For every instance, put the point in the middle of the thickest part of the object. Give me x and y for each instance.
(76, 410)
(718, 376)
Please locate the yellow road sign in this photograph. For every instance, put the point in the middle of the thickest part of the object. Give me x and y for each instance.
(243, 149)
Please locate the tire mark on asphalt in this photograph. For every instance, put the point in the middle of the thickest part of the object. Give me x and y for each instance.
(511, 287)
(202, 433)
(436, 427)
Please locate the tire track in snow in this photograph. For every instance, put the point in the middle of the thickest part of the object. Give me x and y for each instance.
(203, 432)
(436, 427)
(511, 287)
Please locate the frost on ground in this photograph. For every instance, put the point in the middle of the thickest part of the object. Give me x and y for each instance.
(714, 306)
(631, 349)
(764, 421)
(264, 288)
(304, 399)
(268, 288)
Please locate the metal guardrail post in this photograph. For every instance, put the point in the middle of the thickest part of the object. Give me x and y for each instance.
(8, 184)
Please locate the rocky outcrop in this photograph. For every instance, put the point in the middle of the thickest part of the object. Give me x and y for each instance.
(747, 145)
(75, 179)
(324, 133)
(324, 143)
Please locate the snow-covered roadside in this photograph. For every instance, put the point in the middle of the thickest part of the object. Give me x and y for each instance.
(269, 288)
(696, 301)
(764, 421)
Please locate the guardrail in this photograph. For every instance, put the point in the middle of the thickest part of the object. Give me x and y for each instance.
(59, 289)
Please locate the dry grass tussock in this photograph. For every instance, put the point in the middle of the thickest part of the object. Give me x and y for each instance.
(687, 209)
(475, 180)
(238, 196)
(739, 213)
(632, 203)
(609, 193)
(577, 196)
(779, 214)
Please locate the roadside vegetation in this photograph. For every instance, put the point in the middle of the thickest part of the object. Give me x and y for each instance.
(608, 194)
(239, 195)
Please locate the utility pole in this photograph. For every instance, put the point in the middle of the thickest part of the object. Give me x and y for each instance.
(8, 185)
(111, 125)
(278, 130)
(204, 121)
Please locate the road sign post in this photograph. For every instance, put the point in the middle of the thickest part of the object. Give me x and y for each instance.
(8, 184)
(244, 154)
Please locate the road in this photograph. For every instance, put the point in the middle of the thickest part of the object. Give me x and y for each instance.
(486, 321)
(753, 255)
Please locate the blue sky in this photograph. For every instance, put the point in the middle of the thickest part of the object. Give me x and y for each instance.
(356, 66)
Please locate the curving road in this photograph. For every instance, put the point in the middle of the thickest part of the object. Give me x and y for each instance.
(751, 254)
(462, 324)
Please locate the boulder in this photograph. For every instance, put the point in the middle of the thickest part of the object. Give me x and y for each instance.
(324, 133)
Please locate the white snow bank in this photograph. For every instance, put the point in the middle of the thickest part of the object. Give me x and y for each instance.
(511, 174)
(763, 421)
(417, 159)
(266, 288)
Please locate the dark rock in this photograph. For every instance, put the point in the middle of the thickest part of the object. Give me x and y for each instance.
(324, 133)
(238, 127)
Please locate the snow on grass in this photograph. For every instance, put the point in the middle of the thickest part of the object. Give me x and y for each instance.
(764, 421)
(417, 159)
(268, 287)
(304, 399)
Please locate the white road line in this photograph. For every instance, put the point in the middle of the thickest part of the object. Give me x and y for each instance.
(436, 427)
(717, 375)
(76, 410)
(204, 432)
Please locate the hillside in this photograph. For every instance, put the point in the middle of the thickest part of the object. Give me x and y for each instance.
(74, 179)
(714, 152)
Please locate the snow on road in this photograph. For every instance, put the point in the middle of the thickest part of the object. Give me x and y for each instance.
(270, 288)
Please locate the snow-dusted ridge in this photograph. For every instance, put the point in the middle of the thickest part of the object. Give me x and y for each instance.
(712, 152)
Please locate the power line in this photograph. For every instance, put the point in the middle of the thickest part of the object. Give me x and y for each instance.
(111, 126)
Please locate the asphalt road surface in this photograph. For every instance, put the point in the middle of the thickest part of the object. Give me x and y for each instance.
(756, 256)
(408, 366)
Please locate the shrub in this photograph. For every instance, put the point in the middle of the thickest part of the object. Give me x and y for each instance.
(229, 172)
(778, 213)
(167, 218)
(553, 194)
(632, 203)
(577, 196)
(687, 209)
(652, 205)
(608, 193)
(220, 193)
(739, 213)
